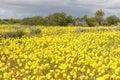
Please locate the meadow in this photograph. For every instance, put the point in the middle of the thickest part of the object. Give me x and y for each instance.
(59, 53)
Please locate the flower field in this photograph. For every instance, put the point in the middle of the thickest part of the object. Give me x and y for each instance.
(61, 53)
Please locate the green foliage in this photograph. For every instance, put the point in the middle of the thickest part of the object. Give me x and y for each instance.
(17, 33)
(34, 31)
(85, 17)
(99, 13)
(59, 19)
(112, 20)
(99, 16)
(91, 21)
(36, 20)
(69, 19)
(13, 21)
(62, 19)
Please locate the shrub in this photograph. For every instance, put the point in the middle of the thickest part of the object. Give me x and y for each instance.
(34, 31)
(18, 33)
(117, 27)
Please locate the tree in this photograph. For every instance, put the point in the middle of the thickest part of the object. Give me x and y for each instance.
(69, 20)
(36, 20)
(13, 21)
(59, 18)
(99, 16)
(91, 21)
(85, 17)
(112, 20)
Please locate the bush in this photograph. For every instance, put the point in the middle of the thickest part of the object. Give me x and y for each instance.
(18, 33)
(117, 27)
(34, 31)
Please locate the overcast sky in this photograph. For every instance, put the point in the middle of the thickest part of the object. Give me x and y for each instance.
(77, 8)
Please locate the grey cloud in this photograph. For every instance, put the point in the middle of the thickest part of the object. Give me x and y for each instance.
(22, 8)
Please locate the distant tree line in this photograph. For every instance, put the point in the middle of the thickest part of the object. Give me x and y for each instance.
(62, 19)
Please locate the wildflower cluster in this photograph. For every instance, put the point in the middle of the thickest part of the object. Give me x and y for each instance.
(66, 55)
